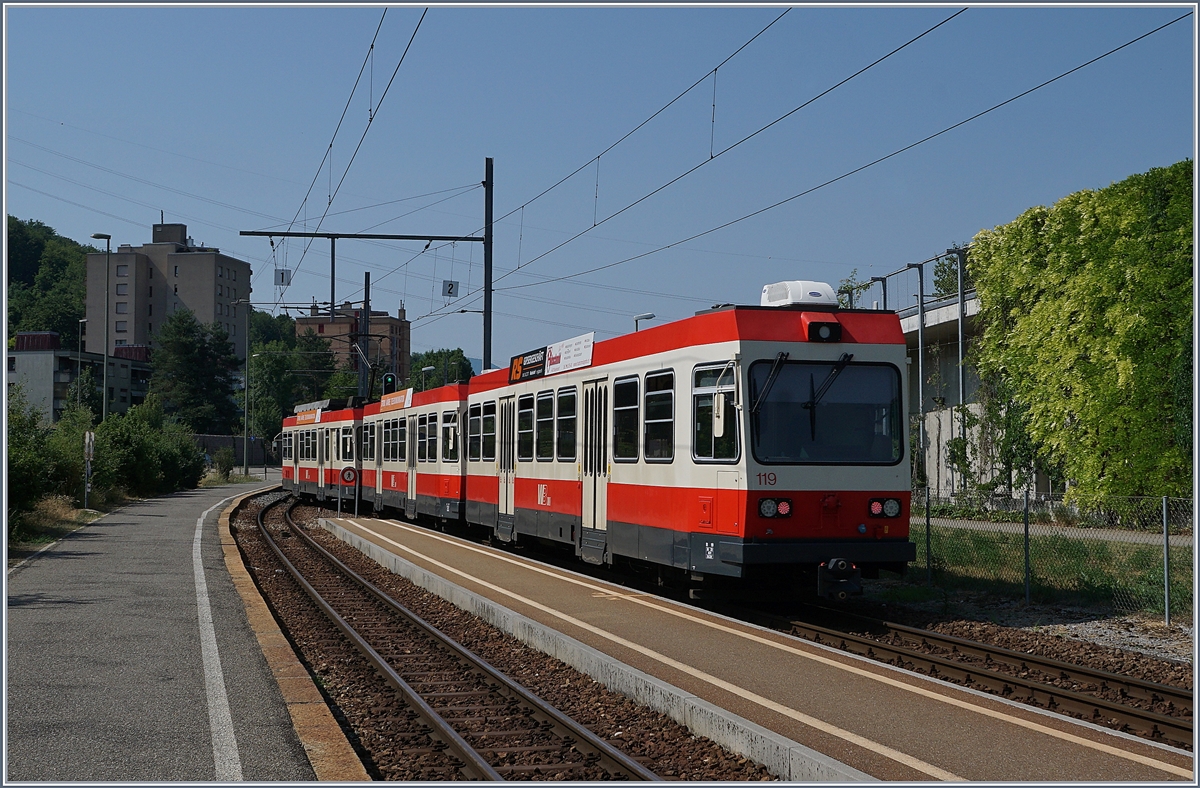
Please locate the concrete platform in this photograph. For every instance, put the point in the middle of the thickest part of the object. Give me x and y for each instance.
(130, 657)
(805, 711)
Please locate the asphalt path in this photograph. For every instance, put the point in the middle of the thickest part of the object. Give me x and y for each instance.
(123, 663)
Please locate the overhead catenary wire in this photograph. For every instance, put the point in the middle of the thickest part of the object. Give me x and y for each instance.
(856, 170)
(712, 157)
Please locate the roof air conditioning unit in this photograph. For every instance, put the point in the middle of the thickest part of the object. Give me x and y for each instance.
(798, 292)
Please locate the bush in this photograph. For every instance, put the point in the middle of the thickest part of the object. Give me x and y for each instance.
(28, 474)
(223, 459)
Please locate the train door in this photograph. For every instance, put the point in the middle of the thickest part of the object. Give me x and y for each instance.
(410, 464)
(507, 462)
(293, 440)
(593, 535)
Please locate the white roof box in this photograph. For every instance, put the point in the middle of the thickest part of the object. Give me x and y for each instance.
(798, 292)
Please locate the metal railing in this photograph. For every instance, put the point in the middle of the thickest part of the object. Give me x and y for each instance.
(1128, 554)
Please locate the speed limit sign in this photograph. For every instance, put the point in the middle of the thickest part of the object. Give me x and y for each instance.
(349, 475)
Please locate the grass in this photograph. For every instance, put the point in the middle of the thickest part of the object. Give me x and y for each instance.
(1063, 569)
(52, 518)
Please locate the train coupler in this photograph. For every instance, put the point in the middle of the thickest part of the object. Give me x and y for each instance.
(838, 579)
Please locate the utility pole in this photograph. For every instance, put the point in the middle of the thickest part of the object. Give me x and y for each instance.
(921, 365)
(487, 264)
(364, 342)
(486, 240)
(961, 254)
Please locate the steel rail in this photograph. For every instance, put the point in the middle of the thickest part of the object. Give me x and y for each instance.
(1088, 707)
(587, 742)
(473, 765)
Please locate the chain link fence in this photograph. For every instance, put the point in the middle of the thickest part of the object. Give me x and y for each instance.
(1128, 554)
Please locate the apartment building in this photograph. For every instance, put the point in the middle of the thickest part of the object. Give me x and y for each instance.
(388, 344)
(150, 282)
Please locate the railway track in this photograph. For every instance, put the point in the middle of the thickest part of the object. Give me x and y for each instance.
(453, 715)
(1075, 690)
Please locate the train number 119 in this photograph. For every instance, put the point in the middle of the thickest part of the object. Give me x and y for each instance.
(767, 479)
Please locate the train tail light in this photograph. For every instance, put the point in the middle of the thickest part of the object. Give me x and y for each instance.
(884, 507)
(774, 507)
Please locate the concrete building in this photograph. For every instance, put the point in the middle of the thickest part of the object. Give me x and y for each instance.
(939, 395)
(389, 343)
(150, 282)
(46, 372)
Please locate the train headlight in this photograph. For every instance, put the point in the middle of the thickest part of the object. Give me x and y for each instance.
(884, 507)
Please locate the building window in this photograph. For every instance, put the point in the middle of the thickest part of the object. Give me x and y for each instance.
(122, 270)
(233, 274)
(320, 328)
(625, 419)
(220, 290)
(176, 289)
(233, 292)
(149, 309)
(119, 342)
(660, 416)
(122, 325)
(12, 363)
(150, 275)
(176, 274)
(122, 307)
(123, 288)
(220, 272)
(150, 294)
(149, 328)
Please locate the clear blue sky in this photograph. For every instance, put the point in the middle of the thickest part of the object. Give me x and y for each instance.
(220, 117)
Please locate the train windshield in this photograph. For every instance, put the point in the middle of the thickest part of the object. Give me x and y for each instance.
(825, 412)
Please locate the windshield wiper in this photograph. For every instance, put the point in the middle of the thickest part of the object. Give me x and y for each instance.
(775, 368)
(814, 397)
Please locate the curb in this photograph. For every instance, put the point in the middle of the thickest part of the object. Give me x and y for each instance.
(782, 756)
(329, 753)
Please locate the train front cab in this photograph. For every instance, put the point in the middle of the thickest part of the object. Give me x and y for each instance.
(318, 446)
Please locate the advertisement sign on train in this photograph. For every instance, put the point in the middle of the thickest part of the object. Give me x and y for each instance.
(396, 400)
(559, 357)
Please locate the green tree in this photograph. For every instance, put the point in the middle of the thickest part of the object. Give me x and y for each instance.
(448, 365)
(315, 363)
(193, 370)
(849, 288)
(85, 390)
(46, 292)
(26, 450)
(1087, 308)
(146, 452)
(945, 275)
(265, 329)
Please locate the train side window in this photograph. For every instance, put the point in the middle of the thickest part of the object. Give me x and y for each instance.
(368, 443)
(347, 443)
(401, 431)
(545, 426)
(625, 420)
(525, 428)
(489, 431)
(566, 424)
(431, 437)
(660, 416)
(422, 429)
(450, 436)
(287, 446)
(474, 432)
(709, 382)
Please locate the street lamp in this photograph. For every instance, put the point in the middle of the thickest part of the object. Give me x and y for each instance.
(246, 398)
(107, 270)
(423, 371)
(643, 316)
(79, 360)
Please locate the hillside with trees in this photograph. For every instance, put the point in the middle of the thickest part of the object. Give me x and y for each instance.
(47, 281)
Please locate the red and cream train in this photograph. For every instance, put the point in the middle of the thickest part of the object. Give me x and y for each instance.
(744, 442)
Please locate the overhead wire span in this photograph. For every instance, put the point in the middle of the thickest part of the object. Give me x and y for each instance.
(855, 170)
